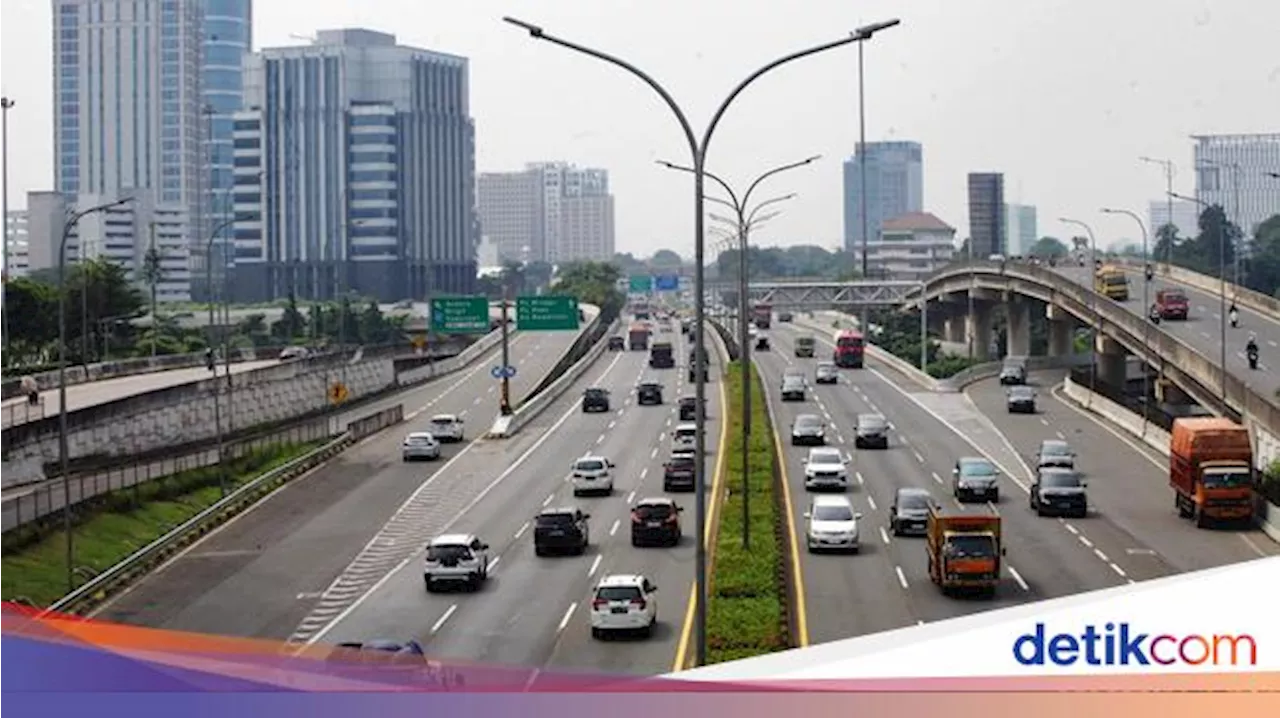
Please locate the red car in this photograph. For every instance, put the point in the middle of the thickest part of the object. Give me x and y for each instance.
(1172, 304)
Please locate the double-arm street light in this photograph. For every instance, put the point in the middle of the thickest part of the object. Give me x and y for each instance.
(1146, 286)
(6, 104)
(1236, 171)
(1222, 282)
(698, 149)
(1169, 171)
(1093, 299)
(226, 348)
(64, 458)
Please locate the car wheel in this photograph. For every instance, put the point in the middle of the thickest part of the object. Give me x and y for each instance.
(1082, 513)
(430, 585)
(539, 551)
(995, 498)
(648, 630)
(596, 633)
(635, 541)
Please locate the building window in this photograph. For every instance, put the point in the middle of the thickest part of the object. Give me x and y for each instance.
(251, 161)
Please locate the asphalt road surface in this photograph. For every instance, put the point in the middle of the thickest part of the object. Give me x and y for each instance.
(534, 612)
(886, 585)
(264, 572)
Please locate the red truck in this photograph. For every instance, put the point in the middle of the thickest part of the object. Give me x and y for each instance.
(638, 337)
(762, 314)
(849, 349)
(965, 551)
(1211, 470)
(1172, 304)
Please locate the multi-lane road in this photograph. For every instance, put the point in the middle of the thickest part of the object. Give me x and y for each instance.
(337, 555)
(1131, 533)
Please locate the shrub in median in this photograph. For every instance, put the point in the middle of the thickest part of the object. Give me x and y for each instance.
(745, 614)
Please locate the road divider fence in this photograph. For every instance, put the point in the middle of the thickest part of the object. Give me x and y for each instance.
(111, 580)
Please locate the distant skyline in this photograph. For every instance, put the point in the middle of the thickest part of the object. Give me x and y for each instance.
(1065, 125)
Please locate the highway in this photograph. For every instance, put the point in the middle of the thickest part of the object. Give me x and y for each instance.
(886, 585)
(534, 612)
(1203, 328)
(80, 396)
(280, 557)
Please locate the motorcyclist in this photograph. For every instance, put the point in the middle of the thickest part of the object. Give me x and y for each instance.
(1150, 272)
(1154, 313)
(208, 358)
(1234, 315)
(1251, 349)
(31, 389)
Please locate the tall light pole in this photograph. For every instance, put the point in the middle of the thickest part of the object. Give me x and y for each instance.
(1169, 170)
(862, 171)
(6, 104)
(1094, 330)
(698, 151)
(1222, 285)
(1235, 250)
(1146, 326)
(217, 420)
(63, 451)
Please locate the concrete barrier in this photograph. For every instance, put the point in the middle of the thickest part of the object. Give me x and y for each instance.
(507, 426)
(1244, 297)
(1268, 514)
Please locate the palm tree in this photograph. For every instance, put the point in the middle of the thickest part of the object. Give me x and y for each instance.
(153, 274)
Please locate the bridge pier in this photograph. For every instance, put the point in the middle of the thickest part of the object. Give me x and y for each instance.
(953, 330)
(1112, 366)
(979, 330)
(1018, 320)
(1061, 332)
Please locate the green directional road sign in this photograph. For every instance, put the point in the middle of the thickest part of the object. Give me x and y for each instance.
(460, 315)
(546, 313)
(641, 284)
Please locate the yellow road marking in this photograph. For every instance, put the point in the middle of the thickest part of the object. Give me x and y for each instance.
(802, 619)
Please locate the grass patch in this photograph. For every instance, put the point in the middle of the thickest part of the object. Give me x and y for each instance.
(745, 615)
(110, 527)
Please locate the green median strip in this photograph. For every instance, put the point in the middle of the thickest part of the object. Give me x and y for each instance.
(746, 615)
(109, 528)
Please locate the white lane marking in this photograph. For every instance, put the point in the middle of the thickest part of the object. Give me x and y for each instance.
(871, 502)
(902, 577)
(493, 563)
(612, 423)
(1072, 529)
(1018, 577)
(631, 497)
(935, 476)
(1085, 540)
(1249, 542)
(1142, 451)
(1119, 570)
(522, 530)
(905, 441)
(918, 456)
(1101, 556)
(857, 476)
(614, 528)
(600, 440)
(567, 615)
(1061, 435)
(515, 465)
(653, 454)
(644, 472)
(1044, 421)
(884, 535)
(549, 499)
(595, 564)
(435, 628)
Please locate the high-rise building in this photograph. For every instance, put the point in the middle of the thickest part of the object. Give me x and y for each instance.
(1020, 229)
(986, 214)
(227, 38)
(1186, 217)
(895, 187)
(18, 251)
(354, 170)
(1231, 172)
(126, 118)
(548, 212)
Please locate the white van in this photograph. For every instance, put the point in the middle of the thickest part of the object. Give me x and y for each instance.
(684, 437)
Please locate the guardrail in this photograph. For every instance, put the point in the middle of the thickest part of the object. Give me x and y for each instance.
(21, 413)
(464, 358)
(570, 357)
(507, 426)
(144, 559)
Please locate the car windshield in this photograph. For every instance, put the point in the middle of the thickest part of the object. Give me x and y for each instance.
(688, 401)
(792, 381)
(418, 439)
(619, 593)
(1226, 479)
(829, 456)
(448, 552)
(871, 422)
(653, 511)
(970, 547)
(832, 513)
(443, 421)
(913, 502)
(977, 468)
(595, 393)
(590, 465)
(1055, 448)
(808, 421)
(560, 519)
(1020, 393)
(1175, 297)
(1059, 480)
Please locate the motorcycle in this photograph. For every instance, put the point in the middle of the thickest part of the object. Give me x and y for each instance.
(1150, 274)
(1154, 314)
(1253, 359)
(1235, 319)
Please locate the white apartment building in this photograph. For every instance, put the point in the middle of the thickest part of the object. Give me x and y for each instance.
(1186, 217)
(17, 252)
(549, 211)
(911, 246)
(1231, 171)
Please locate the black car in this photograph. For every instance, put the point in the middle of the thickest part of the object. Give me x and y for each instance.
(1013, 373)
(871, 432)
(595, 399)
(655, 522)
(762, 343)
(649, 393)
(617, 344)
(909, 513)
(1021, 400)
(784, 316)
(678, 473)
(561, 530)
(688, 408)
(1059, 492)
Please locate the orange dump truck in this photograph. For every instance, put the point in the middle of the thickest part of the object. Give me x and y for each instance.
(964, 551)
(1211, 470)
(638, 337)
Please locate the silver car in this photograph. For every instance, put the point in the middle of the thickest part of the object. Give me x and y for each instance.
(975, 479)
(871, 432)
(420, 446)
(793, 388)
(826, 373)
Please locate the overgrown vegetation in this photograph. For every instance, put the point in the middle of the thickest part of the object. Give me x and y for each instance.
(745, 614)
(114, 525)
(900, 336)
(592, 283)
(1269, 483)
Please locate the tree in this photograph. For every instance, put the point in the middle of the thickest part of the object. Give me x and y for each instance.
(1264, 260)
(665, 259)
(32, 309)
(152, 274)
(103, 288)
(1047, 247)
(592, 283)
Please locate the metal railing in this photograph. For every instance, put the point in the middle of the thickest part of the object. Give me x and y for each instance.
(21, 412)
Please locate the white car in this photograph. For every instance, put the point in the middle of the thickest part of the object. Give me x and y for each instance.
(623, 603)
(826, 468)
(592, 475)
(456, 559)
(420, 445)
(832, 524)
(684, 437)
(446, 427)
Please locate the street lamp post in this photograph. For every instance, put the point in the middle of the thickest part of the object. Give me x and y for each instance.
(1146, 326)
(698, 151)
(63, 451)
(1222, 285)
(1169, 170)
(1094, 330)
(6, 104)
(217, 419)
(1235, 250)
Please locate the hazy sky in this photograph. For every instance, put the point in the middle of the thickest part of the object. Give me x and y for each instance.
(1060, 95)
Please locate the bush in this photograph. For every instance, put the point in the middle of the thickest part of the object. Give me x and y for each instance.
(949, 365)
(745, 615)
(1269, 483)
